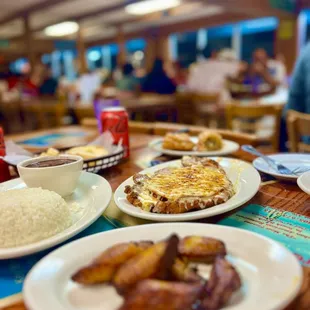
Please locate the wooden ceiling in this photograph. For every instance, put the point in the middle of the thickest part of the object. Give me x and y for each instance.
(101, 19)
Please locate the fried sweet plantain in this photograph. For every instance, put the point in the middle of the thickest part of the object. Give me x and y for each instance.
(201, 249)
(155, 262)
(161, 295)
(181, 271)
(104, 267)
(224, 281)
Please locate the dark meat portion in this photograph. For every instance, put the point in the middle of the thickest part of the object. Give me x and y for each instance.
(161, 295)
(181, 271)
(201, 249)
(155, 262)
(104, 267)
(224, 281)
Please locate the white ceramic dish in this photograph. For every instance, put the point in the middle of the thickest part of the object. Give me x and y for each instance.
(228, 148)
(304, 182)
(48, 177)
(93, 195)
(267, 269)
(245, 178)
(291, 161)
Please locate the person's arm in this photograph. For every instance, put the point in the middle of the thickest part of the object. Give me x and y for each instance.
(297, 93)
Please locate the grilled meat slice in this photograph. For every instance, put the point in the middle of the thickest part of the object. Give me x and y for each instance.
(224, 281)
(161, 295)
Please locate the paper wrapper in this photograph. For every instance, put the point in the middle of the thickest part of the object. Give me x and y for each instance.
(16, 154)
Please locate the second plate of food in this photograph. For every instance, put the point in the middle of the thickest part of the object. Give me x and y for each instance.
(206, 144)
(85, 273)
(188, 189)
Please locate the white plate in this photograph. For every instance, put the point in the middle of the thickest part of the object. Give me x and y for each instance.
(304, 182)
(228, 148)
(93, 195)
(291, 161)
(245, 178)
(267, 269)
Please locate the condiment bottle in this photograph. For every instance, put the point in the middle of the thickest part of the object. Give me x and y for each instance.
(4, 167)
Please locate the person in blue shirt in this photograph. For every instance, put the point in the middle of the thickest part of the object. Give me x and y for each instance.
(157, 81)
(299, 94)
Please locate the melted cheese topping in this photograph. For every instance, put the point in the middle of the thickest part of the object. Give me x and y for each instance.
(195, 181)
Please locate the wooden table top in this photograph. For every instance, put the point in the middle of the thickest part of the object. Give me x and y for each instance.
(280, 195)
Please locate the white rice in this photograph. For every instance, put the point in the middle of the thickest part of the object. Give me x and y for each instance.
(30, 215)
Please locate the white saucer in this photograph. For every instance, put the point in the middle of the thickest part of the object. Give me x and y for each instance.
(304, 182)
(289, 160)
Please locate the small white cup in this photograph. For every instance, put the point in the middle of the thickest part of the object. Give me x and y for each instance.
(61, 179)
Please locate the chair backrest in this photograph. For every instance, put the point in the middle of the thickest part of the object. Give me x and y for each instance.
(255, 112)
(298, 125)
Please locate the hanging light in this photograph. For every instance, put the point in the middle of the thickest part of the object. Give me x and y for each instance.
(61, 29)
(150, 6)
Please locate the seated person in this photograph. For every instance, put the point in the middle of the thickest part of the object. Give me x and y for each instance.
(157, 81)
(128, 83)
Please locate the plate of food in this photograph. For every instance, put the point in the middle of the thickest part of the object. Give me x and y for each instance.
(165, 266)
(188, 189)
(33, 219)
(99, 154)
(208, 143)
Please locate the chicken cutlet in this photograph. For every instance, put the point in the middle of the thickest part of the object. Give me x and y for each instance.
(161, 295)
(198, 184)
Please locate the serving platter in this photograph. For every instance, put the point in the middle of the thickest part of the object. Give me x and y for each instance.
(244, 177)
(91, 197)
(267, 269)
(228, 148)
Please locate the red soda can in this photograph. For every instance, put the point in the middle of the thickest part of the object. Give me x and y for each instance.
(4, 167)
(115, 120)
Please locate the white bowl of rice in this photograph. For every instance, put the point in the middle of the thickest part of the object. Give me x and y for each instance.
(30, 215)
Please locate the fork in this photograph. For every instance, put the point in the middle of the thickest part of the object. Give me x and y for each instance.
(279, 168)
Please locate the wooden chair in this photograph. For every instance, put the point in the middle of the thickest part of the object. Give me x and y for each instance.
(84, 111)
(205, 107)
(247, 118)
(45, 112)
(298, 125)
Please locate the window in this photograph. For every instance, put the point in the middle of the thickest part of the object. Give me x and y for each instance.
(218, 38)
(258, 33)
(135, 51)
(187, 48)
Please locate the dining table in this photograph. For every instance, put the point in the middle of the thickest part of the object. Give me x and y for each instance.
(280, 195)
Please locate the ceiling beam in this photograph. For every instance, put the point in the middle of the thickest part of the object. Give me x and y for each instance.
(180, 26)
(31, 9)
(96, 12)
(253, 7)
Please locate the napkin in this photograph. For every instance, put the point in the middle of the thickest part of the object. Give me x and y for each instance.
(15, 154)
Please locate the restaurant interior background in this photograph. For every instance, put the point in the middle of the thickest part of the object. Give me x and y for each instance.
(183, 61)
(155, 111)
